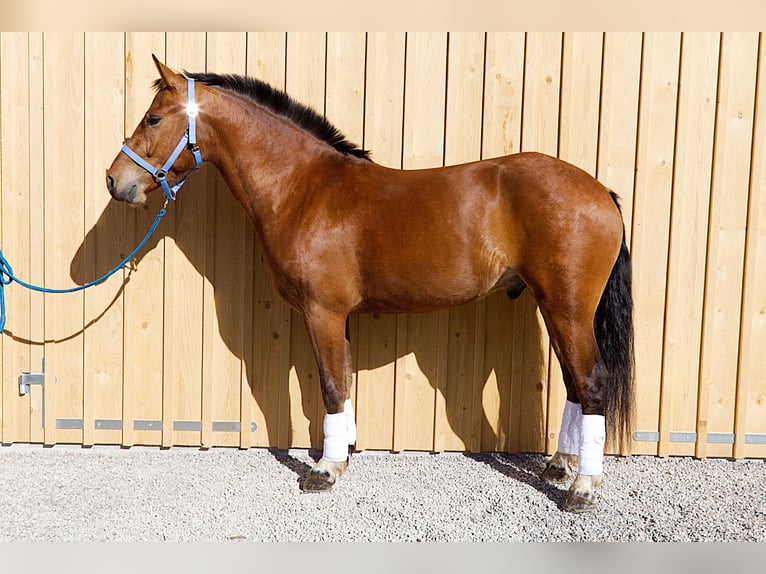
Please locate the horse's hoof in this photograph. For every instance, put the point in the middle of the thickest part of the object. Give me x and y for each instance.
(324, 475)
(555, 474)
(579, 502)
(318, 481)
(581, 496)
(560, 468)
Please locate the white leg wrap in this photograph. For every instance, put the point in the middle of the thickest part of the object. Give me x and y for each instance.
(335, 438)
(348, 409)
(592, 447)
(569, 435)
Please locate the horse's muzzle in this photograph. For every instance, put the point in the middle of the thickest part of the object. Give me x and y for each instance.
(129, 193)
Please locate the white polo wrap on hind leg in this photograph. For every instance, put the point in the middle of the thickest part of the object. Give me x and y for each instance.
(335, 438)
(569, 435)
(593, 437)
(348, 410)
(339, 433)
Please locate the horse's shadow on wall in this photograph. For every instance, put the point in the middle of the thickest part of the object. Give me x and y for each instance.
(517, 424)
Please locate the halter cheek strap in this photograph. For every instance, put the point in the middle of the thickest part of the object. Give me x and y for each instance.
(188, 141)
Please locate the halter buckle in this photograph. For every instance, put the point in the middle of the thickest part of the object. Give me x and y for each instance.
(192, 109)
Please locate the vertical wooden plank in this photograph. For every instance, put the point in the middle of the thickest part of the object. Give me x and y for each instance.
(105, 226)
(578, 144)
(618, 125)
(248, 245)
(36, 225)
(651, 222)
(540, 132)
(458, 402)
(726, 242)
(377, 333)
(618, 129)
(421, 339)
(64, 183)
(385, 97)
(750, 403)
(344, 99)
(503, 91)
(2, 338)
(144, 296)
(269, 375)
(542, 85)
(306, 83)
(225, 284)
(689, 219)
(184, 272)
(15, 417)
(581, 99)
(250, 250)
(344, 108)
(3, 79)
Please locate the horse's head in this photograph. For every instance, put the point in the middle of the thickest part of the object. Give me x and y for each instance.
(166, 130)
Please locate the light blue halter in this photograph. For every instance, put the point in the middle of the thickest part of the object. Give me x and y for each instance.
(188, 141)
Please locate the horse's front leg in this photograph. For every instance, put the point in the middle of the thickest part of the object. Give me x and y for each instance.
(331, 349)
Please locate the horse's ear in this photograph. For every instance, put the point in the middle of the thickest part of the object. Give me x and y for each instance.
(168, 78)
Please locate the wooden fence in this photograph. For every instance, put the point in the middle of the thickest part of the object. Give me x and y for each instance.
(192, 345)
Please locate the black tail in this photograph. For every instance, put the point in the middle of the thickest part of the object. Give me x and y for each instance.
(614, 333)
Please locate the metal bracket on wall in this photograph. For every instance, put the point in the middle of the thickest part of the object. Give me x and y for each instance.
(691, 437)
(26, 380)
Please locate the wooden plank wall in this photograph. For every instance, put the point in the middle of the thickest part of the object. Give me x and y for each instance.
(191, 346)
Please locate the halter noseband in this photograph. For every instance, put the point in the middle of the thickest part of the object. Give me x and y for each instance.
(188, 141)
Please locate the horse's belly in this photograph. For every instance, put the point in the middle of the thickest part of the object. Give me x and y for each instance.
(430, 290)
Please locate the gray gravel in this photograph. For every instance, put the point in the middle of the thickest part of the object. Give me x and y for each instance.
(183, 494)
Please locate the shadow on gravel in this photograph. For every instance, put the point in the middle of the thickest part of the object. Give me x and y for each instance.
(283, 457)
(525, 468)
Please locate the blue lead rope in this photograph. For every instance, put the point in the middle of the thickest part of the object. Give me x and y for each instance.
(7, 276)
(188, 142)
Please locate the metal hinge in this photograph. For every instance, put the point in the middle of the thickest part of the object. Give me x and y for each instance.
(26, 380)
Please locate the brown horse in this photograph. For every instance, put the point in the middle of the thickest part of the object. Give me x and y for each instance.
(343, 234)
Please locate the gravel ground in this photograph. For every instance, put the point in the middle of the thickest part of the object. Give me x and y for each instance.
(146, 494)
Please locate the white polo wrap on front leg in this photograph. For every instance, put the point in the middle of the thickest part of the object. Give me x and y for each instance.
(335, 437)
(569, 435)
(348, 410)
(593, 437)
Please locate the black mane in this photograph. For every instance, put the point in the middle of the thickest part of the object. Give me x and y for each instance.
(282, 104)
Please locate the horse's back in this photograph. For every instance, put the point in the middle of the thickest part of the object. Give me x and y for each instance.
(438, 237)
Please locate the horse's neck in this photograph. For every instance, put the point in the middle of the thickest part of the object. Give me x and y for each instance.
(263, 159)
(259, 154)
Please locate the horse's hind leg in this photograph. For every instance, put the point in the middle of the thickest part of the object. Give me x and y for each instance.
(575, 344)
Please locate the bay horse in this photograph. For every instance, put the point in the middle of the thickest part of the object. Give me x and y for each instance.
(343, 234)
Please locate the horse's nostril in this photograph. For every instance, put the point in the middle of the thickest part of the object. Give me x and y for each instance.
(110, 183)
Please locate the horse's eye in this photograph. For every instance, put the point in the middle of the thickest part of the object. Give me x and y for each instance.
(152, 120)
